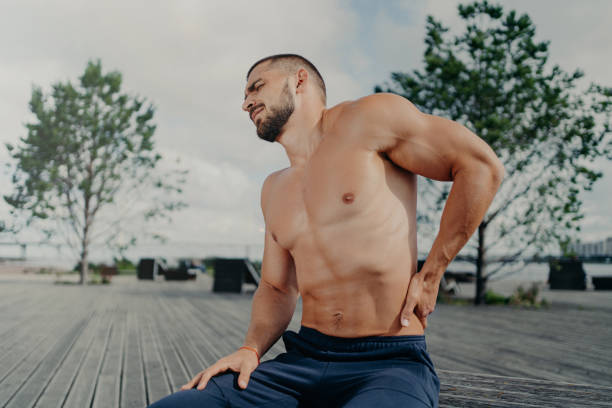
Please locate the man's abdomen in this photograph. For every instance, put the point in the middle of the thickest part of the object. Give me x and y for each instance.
(355, 283)
(354, 260)
(368, 304)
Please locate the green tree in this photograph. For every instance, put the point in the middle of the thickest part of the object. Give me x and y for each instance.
(494, 79)
(90, 148)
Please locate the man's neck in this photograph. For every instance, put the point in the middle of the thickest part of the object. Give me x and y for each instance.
(302, 135)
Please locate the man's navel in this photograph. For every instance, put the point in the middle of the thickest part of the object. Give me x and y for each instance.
(348, 198)
(338, 318)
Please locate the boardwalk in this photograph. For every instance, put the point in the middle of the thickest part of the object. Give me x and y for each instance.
(131, 343)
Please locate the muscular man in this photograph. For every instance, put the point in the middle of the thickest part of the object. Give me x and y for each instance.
(341, 232)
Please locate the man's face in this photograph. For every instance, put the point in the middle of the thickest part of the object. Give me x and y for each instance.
(268, 101)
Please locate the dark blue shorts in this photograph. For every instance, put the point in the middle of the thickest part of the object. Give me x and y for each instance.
(324, 371)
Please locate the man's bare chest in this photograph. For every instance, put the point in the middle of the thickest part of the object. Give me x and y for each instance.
(336, 191)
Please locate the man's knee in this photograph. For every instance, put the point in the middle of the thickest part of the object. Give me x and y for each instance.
(209, 397)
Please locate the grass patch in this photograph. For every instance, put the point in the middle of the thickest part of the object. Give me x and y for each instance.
(528, 297)
(97, 279)
(94, 279)
(448, 299)
(492, 298)
(521, 297)
(524, 297)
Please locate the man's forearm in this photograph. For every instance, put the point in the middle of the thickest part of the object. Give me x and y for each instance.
(270, 315)
(470, 196)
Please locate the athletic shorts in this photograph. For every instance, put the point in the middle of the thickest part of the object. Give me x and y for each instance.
(325, 371)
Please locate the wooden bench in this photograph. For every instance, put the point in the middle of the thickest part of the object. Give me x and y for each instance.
(107, 272)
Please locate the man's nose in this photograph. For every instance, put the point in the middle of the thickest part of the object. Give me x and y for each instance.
(247, 105)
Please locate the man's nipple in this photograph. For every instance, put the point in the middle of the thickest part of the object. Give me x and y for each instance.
(348, 198)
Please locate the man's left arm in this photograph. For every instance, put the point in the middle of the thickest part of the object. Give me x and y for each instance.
(443, 150)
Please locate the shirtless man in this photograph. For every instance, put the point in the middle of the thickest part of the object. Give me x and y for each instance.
(341, 232)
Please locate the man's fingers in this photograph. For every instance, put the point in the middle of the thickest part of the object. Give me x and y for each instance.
(407, 311)
(245, 374)
(212, 371)
(193, 382)
(246, 368)
(204, 381)
(415, 289)
(423, 320)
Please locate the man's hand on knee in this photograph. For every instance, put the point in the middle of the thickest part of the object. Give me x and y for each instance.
(242, 361)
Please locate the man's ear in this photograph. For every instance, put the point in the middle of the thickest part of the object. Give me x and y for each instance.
(302, 79)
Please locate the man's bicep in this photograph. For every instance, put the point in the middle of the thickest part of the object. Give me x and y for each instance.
(434, 147)
(278, 267)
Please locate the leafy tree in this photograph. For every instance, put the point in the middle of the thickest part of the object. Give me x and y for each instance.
(494, 79)
(88, 160)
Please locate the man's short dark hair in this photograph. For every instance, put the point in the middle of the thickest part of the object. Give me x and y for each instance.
(291, 63)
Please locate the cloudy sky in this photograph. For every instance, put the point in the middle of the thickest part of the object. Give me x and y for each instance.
(189, 58)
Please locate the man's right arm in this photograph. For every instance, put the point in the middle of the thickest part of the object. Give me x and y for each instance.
(275, 299)
(272, 308)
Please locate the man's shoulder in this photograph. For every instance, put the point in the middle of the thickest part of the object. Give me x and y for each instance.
(364, 107)
(366, 119)
(273, 178)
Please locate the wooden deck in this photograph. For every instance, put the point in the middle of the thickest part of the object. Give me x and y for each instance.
(131, 343)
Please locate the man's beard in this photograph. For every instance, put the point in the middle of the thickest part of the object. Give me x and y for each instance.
(271, 127)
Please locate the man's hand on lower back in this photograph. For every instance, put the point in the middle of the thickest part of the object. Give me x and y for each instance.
(420, 299)
(242, 361)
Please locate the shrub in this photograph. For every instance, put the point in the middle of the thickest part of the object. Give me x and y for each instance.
(527, 297)
(492, 298)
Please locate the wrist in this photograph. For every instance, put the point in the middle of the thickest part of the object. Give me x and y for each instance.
(432, 273)
(253, 349)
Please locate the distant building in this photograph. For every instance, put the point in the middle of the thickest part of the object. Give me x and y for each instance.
(588, 249)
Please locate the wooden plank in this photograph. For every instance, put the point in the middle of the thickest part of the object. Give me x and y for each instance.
(133, 393)
(542, 397)
(207, 328)
(549, 326)
(23, 346)
(446, 401)
(158, 384)
(175, 369)
(185, 349)
(37, 382)
(107, 391)
(549, 329)
(13, 314)
(219, 325)
(447, 363)
(14, 382)
(560, 390)
(517, 353)
(61, 384)
(21, 324)
(199, 338)
(84, 386)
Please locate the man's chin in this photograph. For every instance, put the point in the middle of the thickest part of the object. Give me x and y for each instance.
(267, 138)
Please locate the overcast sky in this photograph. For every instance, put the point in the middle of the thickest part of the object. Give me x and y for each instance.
(190, 58)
